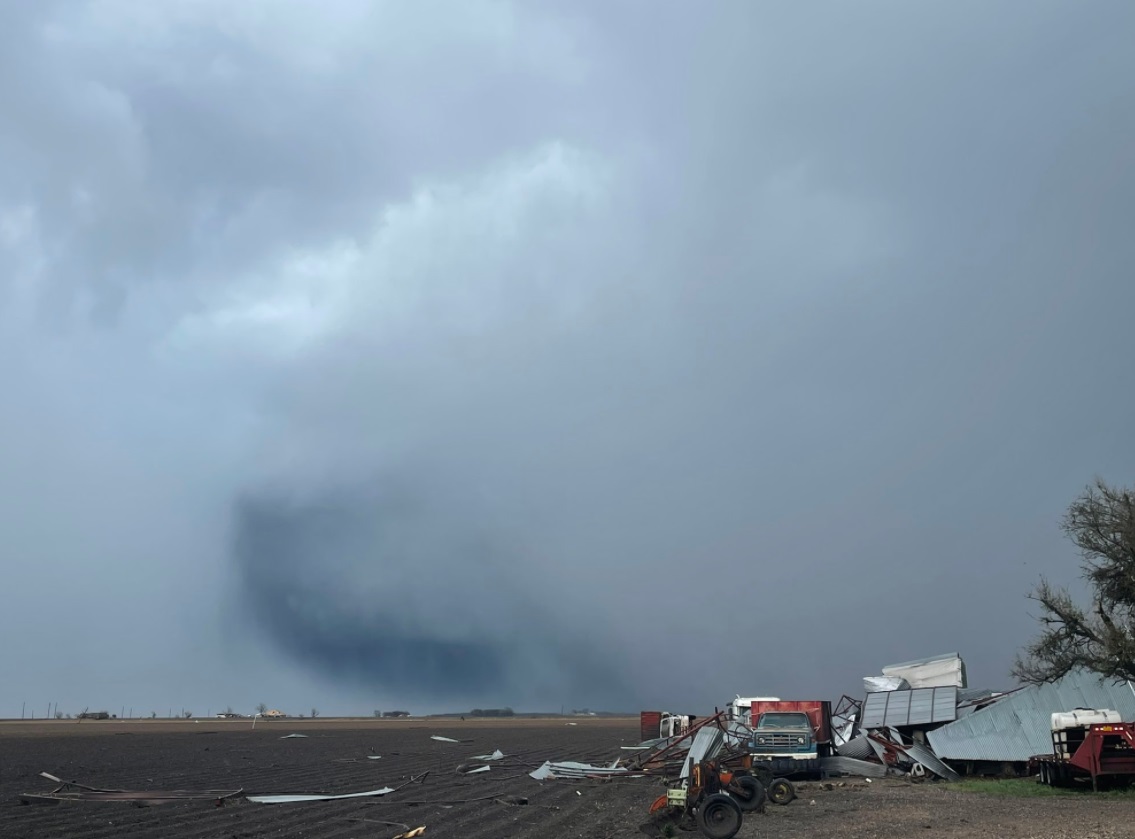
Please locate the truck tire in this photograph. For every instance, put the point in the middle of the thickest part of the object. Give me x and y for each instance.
(719, 817)
(749, 793)
(781, 792)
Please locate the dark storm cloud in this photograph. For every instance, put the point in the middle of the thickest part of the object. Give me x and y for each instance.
(377, 587)
(762, 343)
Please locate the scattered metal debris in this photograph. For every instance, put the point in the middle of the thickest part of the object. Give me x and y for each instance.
(465, 769)
(297, 798)
(841, 765)
(576, 770)
(292, 736)
(496, 755)
(290, 798)
(73, 791)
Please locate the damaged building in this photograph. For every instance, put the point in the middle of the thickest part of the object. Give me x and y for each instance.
(923, 716)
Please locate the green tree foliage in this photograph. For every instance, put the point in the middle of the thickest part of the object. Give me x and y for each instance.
(1101, 636)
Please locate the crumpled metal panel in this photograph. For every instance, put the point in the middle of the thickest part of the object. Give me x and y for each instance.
(858, 747)
(1019, 726)
(918, 752)
(707, 743)
(841, 765)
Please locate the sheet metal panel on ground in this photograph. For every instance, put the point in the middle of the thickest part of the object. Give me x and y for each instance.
(1020, 725)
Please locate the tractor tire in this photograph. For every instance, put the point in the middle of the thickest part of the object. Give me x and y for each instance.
(719, 817)
(781, 792)
(749, 793)
(762, 774)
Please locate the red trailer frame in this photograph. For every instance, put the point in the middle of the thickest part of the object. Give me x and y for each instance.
(1107, 750)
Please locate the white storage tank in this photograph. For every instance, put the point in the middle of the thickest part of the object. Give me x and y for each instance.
(1064, 720)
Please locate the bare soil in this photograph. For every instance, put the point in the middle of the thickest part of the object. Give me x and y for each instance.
(216, 754)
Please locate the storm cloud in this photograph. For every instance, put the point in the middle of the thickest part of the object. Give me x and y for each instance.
(549, 354)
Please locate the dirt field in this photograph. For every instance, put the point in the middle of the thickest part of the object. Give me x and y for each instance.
(333, 759)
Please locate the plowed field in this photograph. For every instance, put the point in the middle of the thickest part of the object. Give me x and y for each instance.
(333, 758)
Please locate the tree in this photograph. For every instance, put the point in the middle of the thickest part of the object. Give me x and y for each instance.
(1101, 637)
(262, 709)
(314, 713)
(187, 714)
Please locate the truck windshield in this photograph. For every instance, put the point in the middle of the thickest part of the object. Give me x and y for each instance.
(784, 721)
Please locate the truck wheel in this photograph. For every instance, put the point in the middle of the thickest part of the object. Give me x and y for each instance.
(748, 792)
(719, 817)
(781, 792)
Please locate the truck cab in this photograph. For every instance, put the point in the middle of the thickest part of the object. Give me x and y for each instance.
(783, 734)
(671, 725)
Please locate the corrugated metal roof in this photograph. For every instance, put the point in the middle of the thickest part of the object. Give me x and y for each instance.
(1020, 725)
(922, 706)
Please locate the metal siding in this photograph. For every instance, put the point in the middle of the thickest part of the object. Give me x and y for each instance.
(1020, 725)
(898, 708)
(875, 710)
(922, 706)
(945, 704)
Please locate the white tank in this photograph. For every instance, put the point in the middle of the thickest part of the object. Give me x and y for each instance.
(1064, 720)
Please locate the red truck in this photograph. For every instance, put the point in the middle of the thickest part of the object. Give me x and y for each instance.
(792, 735)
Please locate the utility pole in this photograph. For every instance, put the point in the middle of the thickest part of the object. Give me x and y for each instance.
(23, 705)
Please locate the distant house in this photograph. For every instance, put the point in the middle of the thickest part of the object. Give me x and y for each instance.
(395, 714)
(94, 715)
(274, 714)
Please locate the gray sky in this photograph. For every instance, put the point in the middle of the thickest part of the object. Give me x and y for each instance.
(619, 354)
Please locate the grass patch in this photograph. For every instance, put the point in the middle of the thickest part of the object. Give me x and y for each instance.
(1029, 788)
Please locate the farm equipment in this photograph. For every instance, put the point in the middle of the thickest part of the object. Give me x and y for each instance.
(714, 798)
(716, 782)
(1088, 744)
